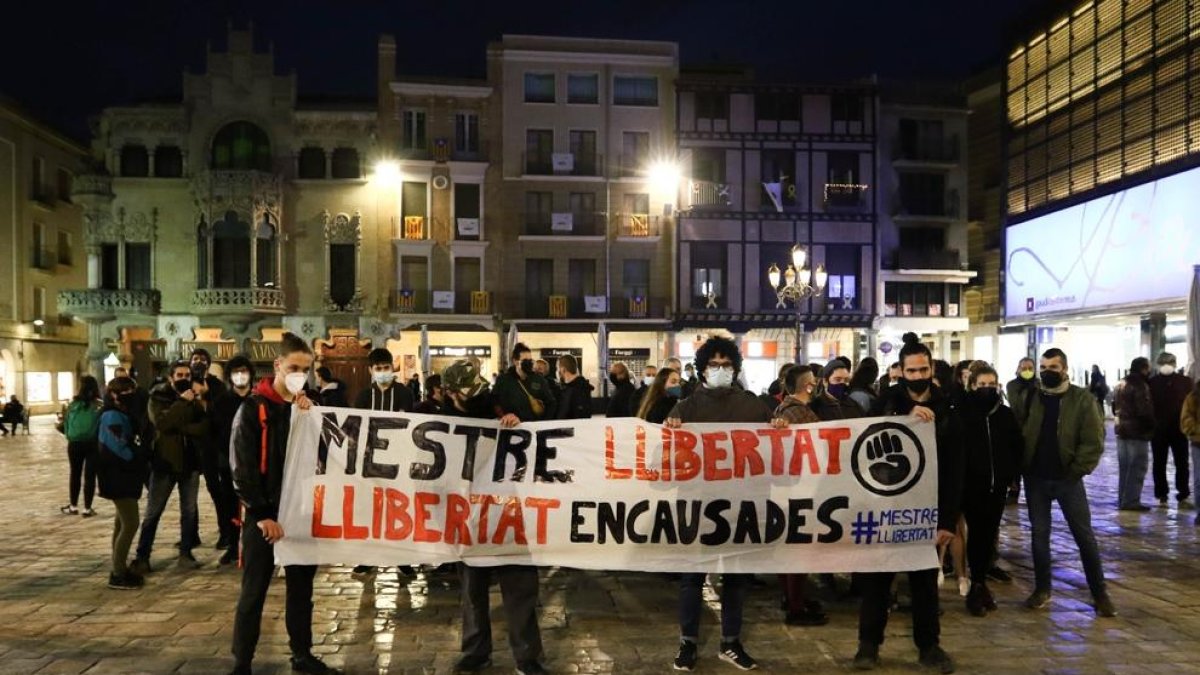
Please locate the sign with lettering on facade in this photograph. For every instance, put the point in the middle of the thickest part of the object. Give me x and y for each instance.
(628, 353)
(461, 352)
(377, 488)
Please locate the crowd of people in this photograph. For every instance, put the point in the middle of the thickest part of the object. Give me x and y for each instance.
(1038, 430)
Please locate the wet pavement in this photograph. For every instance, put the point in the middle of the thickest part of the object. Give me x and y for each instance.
(57, 615)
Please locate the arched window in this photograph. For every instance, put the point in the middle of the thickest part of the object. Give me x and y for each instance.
(231, 252)
(241, 146)
(343, 241)
(345, 163)
(264, 254)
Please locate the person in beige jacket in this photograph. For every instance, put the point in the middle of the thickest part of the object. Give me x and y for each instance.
(1189, 424)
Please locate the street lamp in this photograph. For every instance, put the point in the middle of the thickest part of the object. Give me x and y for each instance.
(797, 284)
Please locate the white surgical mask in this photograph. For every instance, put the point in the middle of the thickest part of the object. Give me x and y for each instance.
(384, 378)
(648, 380)
(240, 379)
(295, 382)
(717, 378)
(1166, 369)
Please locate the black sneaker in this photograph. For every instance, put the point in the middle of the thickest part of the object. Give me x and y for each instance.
(975, 603)
(807, 617)
(241, 669)
(68, 510)
(733, 652)
(472, 664)
(686, 658)
(999, 574)
(867, 657)
(140, 566)
(1038, 599)
(125, 582)
(188, 561)
(937, 659)
(312, 665)
(1104, 606)
(531, 668)
(362, 570)
(230, 557)
(407, 570)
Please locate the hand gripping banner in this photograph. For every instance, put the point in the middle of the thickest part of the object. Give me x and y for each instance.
(378, 488)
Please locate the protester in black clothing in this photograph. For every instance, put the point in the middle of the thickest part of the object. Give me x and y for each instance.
(863, 386)
(833, 401)
(14, 414)
(468, 396)
(689, 380)
(622, 392)
(1169, 389)
(575, 395)
(239, 371)
(776, 393)
(209, 451)
(919, 397)
(994, 449)
(332, 391)
(81, 426)
(521, 391)
(666, 391)
(1021, 388)
(1098, 387)
(648, 375)
(414, 387)
(260, 435)
(384, 393)
(434, 397)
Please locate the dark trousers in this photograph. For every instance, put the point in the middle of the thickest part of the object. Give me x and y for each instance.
(258, 560)
(877, 598)
(1071, 496)
(162, 483)
(82, 457)
(1177, 443)
(793, 591)
(983, 511)
(519, 591)
(691, 603)
(219, 482)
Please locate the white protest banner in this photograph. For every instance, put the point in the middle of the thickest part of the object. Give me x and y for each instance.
(377, 488)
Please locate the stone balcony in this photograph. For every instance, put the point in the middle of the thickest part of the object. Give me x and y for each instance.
(238, 302)
(99, 304)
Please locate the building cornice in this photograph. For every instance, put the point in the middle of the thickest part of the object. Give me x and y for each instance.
(448, 90)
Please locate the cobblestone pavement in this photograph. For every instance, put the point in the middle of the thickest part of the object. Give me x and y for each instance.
(57, 616)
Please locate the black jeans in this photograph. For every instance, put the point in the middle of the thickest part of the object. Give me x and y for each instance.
(258, 560)
(876, 590)
(983, 510)
(691, 604)
(82, 457)
(219, 483)
(1177, 443)
(519, 591)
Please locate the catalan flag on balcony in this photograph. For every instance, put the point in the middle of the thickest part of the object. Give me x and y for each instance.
(414, 227)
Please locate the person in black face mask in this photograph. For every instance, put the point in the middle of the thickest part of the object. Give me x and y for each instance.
(522, 392)
(1064, 438)
(622, 393)
(917, 396)
(994, 449)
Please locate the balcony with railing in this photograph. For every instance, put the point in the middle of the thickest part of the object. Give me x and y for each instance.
(639, 226)
(563, 224)
(707, 195)
(844, 196)
(928, 259)
(101, 304)
(409, 301)
(474, 302)
(537, 164)
(413, 228)
(936, 150)
(238, 301)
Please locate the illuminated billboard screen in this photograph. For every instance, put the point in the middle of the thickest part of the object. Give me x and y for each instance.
(1126, 249)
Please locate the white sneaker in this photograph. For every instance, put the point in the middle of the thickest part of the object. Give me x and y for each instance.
(941, 578)
(964, 586)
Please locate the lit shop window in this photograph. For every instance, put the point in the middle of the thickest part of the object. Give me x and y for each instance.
(37, 388)
(66, 386)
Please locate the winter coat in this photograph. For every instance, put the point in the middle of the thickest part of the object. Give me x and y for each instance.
(179, 427)
(621, 399)
(661, 409)
(867, 400)
(223, 412)
(1189, 419)
(397, 397)
(333, 395)
(510, 396)
(258, 448)
(950, 447)
(721, 404)
(1135, 419)
(1080, 432)
(122, 460)
(994, 446)
(1168, 393)
(796, 412)
(829, 408)
(575, 400)
(1019, 392)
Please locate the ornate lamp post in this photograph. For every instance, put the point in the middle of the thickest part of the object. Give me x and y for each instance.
(798, 283)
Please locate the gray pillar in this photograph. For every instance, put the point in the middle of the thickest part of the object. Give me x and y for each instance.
(1154, 340)
(95, 351)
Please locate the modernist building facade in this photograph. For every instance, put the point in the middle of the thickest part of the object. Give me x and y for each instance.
(41, 351)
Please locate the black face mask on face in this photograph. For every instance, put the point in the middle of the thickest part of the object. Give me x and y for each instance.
(1051, 379)
(527, 366)
(181, 386)
(987, 396)
(919, 386)
(615, 379)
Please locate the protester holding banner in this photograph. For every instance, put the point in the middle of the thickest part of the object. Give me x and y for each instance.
(258, 448)
(917, 396)
(799, 384)
(660, 400)
(994, 449)
(468, 396)
(1064, 438)
(716, 400)
(522, 392)
(622, 392)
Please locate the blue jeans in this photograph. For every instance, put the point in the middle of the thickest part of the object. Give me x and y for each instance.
(161, 485)
(1072, 499)
(691, 603)
(1133, 458)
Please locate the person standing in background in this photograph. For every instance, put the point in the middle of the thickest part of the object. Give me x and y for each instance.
(1168, 390)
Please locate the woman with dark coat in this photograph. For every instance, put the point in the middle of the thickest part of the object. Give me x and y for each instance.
(661, 396)
(994, 450)
(122, 470)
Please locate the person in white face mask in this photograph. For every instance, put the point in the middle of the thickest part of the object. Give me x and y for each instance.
(238, 371)
(647, 381)
(1168, 390)
(716, 400)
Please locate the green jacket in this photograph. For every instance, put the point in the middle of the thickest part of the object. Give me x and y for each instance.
(511, 397)
(178, 425)
(1080, 432)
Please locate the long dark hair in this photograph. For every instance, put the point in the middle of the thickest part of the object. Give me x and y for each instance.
(865, 375)
(89, 390)
(656, 392)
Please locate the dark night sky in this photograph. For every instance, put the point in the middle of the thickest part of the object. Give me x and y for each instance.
(68, 60)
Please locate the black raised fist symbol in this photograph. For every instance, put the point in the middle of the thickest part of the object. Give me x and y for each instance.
(886, 460)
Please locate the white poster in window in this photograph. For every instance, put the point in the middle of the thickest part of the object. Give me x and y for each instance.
(595, 303)
(37, 388)
(66, 386)
(443, 299)
(468, 227)
(562, 222)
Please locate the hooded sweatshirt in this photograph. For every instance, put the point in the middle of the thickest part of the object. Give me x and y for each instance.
(396, 398)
